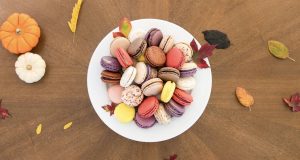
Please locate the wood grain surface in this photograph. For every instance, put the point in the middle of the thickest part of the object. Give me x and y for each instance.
(226, 130)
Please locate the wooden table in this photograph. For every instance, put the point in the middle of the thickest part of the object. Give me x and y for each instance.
(226, 130)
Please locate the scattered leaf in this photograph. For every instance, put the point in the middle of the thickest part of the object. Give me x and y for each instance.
(244, 97)
(172, 157)
(125, 26)
(38, 129)
(279, 50)
(293, 102)
(75, 13)
(206, 50)
(194, 46)
(68, 125)
(3, 112)
(215, 37)
(110, 108)
(201, 63)
(118, 34)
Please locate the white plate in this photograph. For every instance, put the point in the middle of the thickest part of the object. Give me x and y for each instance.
(98, 92)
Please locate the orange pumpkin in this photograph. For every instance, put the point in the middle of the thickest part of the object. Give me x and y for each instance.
(19, 33)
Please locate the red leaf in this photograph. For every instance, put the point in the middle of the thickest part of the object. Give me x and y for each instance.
(194, 46)
(172, 157)
(201, 63)
(293, 102)
(3, 112)
(206, 50)
(110, 108)
(118, 34)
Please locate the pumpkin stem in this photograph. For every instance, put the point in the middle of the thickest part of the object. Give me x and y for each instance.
(28, 67)
(18, 31)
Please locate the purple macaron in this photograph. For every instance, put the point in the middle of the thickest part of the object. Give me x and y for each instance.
(174, 109)
(144, 122)
(110, 63)
(188, 73)
(154, 37)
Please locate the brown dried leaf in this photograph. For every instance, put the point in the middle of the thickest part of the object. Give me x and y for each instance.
(244, 97)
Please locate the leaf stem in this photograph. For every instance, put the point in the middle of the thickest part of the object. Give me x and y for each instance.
(249, 108)
(291, 59)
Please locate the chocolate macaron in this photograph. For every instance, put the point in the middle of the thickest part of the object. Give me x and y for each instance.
(110, 77)
(168, 74)
(137, 48)
(155, 56)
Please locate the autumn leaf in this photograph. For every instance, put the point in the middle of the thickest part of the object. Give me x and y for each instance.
(201, 63)
(172, 157)
(206, 50)
(293, 102)
(279, 50)
(194, 46)
(68, 125)
(244, 97)
(125, 26)
(38, 129)
(110, 108)
(3, 112)
(215, 37)
(118, 34)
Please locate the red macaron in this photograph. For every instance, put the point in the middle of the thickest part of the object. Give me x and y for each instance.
(182, 97)
(123, 58)
(175, 58)
(148, 107)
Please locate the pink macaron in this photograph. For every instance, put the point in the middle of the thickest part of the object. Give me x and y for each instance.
(115, 93)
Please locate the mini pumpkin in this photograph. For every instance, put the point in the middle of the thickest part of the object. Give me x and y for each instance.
(30, 67)
(19, 33)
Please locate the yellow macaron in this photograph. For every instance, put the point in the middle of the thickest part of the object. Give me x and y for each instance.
(167, 91)
(124, 113)
(141, 58)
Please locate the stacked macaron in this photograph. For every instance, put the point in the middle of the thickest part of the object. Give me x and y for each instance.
(149, 77)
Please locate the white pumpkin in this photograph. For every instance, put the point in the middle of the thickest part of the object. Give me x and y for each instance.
(30, 67)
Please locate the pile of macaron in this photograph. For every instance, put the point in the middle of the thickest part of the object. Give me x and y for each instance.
(149, 77)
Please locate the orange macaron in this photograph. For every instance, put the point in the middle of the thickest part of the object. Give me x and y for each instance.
(148, 107)
(182, 97)
(175, 58)
(123, 58)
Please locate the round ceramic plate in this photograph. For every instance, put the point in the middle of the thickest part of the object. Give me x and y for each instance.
(98, 90)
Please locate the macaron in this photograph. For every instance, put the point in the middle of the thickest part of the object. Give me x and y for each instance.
(161, 115)
(137, 48)
(167, 91)
(155, 56)
(110, 63)
(141, 58)
(132, 96)
(169, 74)
(186, 83)
(114, 93)
(166, 43)
(128, 77)
(153, 37)
(119, 42)
(188, 69)
(144, 122)
(148, 107)
(152, 87)
(110, 77)
(144, 72)
(186, 49)
(124, 113)
(175, 58)
(136, 33)
(123, 58)
(182, 97)
(174, 109)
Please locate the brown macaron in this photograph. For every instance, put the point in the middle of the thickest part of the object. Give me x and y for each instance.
(110, 77)
(137, 47)
(169, 74)
(155, 56)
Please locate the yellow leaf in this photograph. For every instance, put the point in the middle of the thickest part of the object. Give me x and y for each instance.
(38, 129)
(279, 50)
(244, 97)
(75, 13)
(68, 125)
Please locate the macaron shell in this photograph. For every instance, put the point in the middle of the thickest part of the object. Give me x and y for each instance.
(182, 97)
(110, 77)
(110, 63)
(174, 109)
(153, 37)
(114, 93)
(124, 113)
(175, 58)
(132, 96)
(128, 77)
(148, 107)
(155, 56)
(188, 69)
(141, 72)
(144, 122)
(119, 42)
(152, 87)
(167, 91)
(186, 83)
(161, 115)
(123, 58)
(169, 74)
(137, 47)
(166, 43)
(186, 49)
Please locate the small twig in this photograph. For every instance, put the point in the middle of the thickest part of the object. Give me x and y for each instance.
(291, 59)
